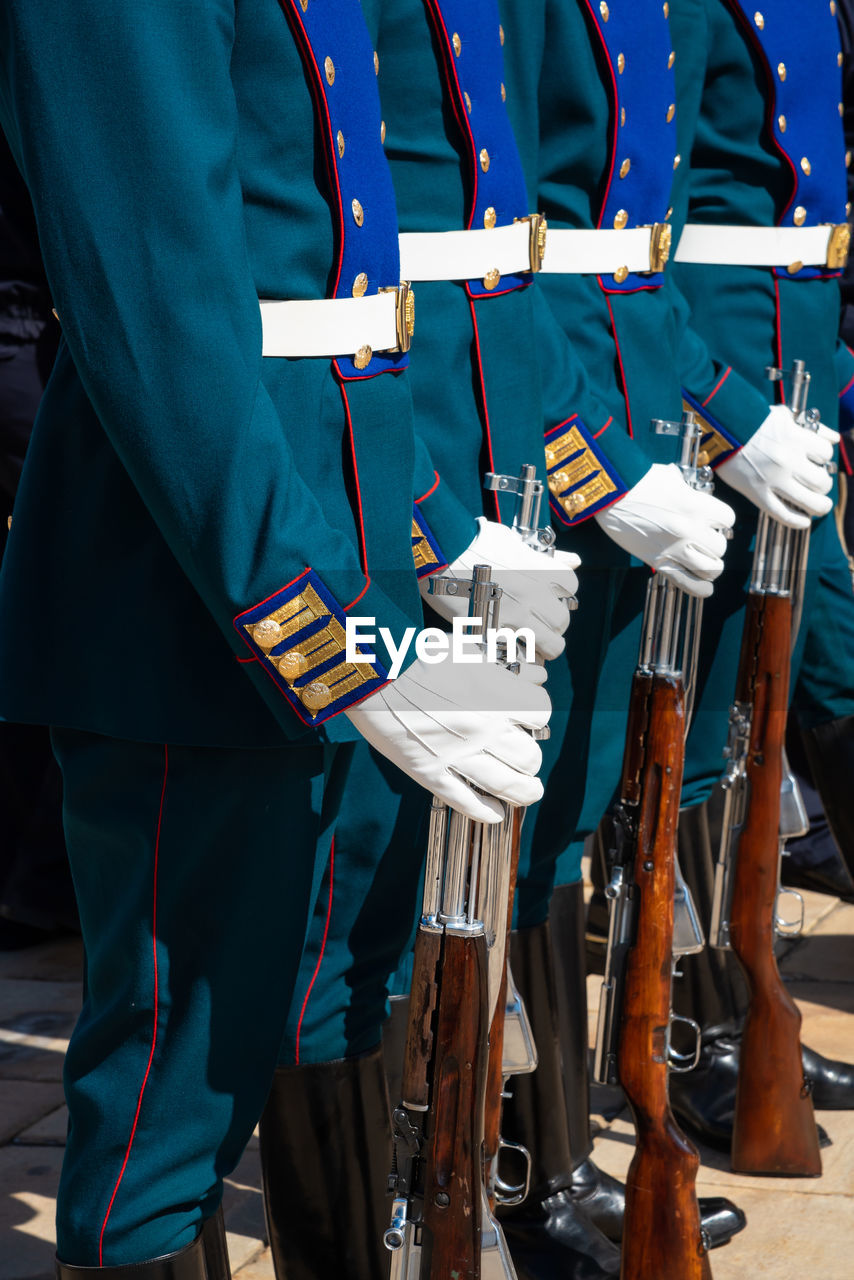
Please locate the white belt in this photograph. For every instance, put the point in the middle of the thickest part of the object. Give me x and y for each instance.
(471, 255)
(607, 252)
(330, 327)
(795, 247)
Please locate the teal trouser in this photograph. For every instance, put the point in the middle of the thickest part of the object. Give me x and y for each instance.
(824, 689)
(196, 871)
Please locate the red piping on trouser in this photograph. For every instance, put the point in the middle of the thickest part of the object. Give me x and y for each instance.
(156, 1004)
(322, 949)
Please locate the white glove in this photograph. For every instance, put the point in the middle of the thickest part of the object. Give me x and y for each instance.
(781, 468)
(672, 527)
(453, 727)
(534, 585)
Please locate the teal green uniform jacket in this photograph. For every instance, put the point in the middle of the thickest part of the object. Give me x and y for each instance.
(176, 480)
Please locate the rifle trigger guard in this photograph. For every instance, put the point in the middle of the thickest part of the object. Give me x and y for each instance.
(683, 1062)
(788, 928)
(507, 1193)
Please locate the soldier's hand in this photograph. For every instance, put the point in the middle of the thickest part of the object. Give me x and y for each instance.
(672, 527)
(535, 587)
(456, 726)
(783, 468)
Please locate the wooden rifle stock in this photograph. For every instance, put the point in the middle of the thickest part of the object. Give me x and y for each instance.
(662, 1237)
(451, 1243)
(774, 1130)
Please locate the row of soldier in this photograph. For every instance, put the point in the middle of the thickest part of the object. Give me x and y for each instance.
(213, 491)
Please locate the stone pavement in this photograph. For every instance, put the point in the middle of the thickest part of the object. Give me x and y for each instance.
(797, 1230)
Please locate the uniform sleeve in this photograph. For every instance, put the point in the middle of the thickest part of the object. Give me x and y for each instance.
(124, 123)
(442, 525)
(591, 459)
(727, 406)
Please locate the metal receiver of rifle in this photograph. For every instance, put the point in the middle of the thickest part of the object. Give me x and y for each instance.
(779, 568)
(465, 895)
(670, 638)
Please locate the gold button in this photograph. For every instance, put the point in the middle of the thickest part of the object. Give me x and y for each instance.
(671, 112)
(329, 68)
(376, 63)
(604, 10)
(622, 115)
(340, 140)
(266, 633)
(362, 358)
(671, 60)
(292, 664)
(382, 130)
(666, 8)
(847, 159)
(781, 70)
(489, 218)
(839, 59)
(800, 216)
(621, 218)
(848, 208)
(833, 7)
(572, 502)
(759, 20)
(560, 478)
(484, 160)
(624, 167)
(677, 160)
(806, 166)
(467, 101)
(490, 280)
(358, 213)
(841, 109)
(794, 267)
(551, 453)
(457, 43)
(315, 696)
(621, 62)
(621, 274)
(360, 285)
(500, 33)
(503, 92)
(781, 121)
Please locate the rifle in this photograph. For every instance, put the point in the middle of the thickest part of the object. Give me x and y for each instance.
(511, 1046)
(441, 1224)
(662, 1235)
(774, 1128)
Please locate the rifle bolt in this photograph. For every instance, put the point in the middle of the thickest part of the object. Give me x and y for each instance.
(649, 865)
(442, 1199)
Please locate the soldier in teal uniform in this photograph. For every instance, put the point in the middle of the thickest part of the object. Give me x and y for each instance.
(659, 363)
(328, 1078)
(213, 489)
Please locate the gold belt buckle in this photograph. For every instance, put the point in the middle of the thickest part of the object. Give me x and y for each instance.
(837, 246)
(404, 313)
(537, 231)
(660, 240)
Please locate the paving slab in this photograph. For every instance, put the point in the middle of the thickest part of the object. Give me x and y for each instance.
(36, 1019)
(28, 1180)
(58, 961)
(258, 1268)
(23, 1103)
(50, 1131)
(243, 1207)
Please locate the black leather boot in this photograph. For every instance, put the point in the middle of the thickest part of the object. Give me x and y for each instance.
(325, 1157)
(602, 1197)
(205, 1259)
(829, 749)
(549, 1235)
(711, 990)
